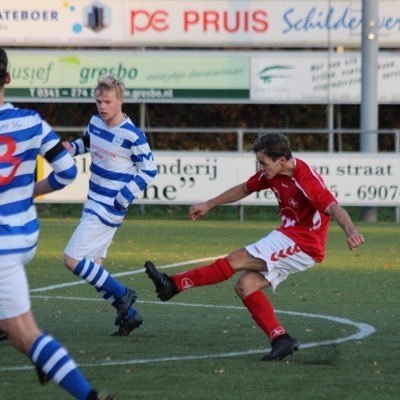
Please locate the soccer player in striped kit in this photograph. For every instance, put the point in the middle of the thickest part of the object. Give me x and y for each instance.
(305, 205)
(122, 167)
(23, 136)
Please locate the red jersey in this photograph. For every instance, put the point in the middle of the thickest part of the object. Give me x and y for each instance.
(303, 200)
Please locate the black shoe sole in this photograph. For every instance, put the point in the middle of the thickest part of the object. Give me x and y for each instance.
(294, 346)
(125, 331)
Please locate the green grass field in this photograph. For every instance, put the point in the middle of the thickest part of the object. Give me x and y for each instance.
(203, 344)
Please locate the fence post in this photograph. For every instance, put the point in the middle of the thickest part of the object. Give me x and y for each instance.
(239, 140)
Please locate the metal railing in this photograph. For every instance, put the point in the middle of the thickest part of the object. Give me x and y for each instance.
(334, 138)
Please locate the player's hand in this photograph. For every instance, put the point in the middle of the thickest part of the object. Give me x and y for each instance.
(68, 147)
(198, 210)
(354, 239)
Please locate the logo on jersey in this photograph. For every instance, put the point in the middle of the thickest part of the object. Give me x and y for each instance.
(118, 140)
(8, 162)
(293, 202)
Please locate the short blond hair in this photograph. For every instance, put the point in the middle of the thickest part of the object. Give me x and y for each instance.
(107, 83)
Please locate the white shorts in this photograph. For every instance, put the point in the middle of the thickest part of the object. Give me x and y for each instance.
(14, 291)
(282, 255)
(91, 239)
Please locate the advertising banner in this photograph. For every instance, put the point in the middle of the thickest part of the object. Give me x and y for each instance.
(297, 77)
(320, 77)
(355, 179)
(251, 23)
(193, 23)
(151, 76)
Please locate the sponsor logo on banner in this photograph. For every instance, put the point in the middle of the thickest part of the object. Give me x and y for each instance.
(272, 72)
(205, 21)
(26, 15)
(142, 20)
(97, 16)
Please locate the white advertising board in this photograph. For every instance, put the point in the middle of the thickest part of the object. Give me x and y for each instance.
(189, 177)
(315, 23)
(320, 77)
(193, 23)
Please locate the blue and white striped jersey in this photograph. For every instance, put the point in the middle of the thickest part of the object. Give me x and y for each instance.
(122, 167)
(23, 136)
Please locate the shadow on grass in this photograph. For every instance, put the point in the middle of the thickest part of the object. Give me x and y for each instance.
(324, 356)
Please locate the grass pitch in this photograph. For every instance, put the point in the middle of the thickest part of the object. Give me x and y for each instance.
(203, 344)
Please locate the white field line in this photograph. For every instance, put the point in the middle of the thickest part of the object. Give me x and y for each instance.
(363, 329)
(133, 272)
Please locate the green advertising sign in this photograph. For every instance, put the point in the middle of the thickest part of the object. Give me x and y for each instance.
(162, 76)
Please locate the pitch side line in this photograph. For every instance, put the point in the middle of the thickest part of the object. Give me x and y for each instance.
(136, 271)
(364, 329)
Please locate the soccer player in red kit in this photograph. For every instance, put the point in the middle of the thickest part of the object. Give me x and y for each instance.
(305, 206)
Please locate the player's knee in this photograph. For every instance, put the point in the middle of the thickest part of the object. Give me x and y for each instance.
(248, 283)
(22, 342)
(238, 290)
(244, 286)
(69, 262)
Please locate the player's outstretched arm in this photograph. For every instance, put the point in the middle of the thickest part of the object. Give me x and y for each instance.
(354, 238)
(42, 187)
(63, 165)
(230, 196)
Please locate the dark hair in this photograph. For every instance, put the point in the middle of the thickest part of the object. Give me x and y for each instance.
(273, 145)
(3, 66)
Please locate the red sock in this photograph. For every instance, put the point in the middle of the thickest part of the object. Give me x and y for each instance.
(218, 271)
(263, 313)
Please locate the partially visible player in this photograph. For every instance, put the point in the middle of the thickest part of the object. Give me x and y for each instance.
(23, 136)
(305, 206)
(122, 167)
